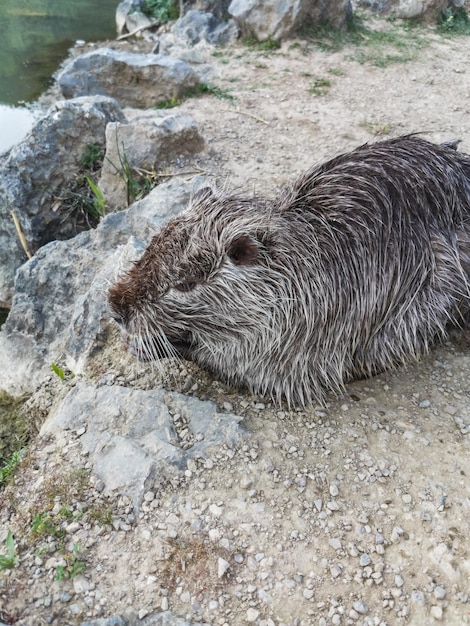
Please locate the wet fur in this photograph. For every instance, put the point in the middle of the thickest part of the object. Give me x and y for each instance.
(361, 264)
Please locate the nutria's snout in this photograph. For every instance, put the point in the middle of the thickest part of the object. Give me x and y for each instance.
(361, 264)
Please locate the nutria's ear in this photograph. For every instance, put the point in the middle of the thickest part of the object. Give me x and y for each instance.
(243, 251)
(202, 195)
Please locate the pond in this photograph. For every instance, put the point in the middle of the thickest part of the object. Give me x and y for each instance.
(35, 36)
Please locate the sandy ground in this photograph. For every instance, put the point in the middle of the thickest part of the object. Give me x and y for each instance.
(353, 513)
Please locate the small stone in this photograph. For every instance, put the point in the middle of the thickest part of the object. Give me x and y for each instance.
(215, 510)
(335, 543)
(424, 404)
(164, 604)
(398, 580)
(418, 597)
(222, 567)
(364, 560)
(308, 594)
(336, 570)
(252, 615)
(361, 607)
(397, 532)
(80, 584)
(334, 491)
(333, 506)
(436, 612)
(99, 485)
(439, 592)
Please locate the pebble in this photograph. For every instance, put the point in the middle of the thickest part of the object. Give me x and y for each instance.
(398, 581)
(439, 592)
(418, 597)
(336, 570)
(436, 612)
(222, 567)
(361, 607)
(334, 491)
(252, 615)
(335, 544)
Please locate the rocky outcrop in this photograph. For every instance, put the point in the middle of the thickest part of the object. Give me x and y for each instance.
(428, 10)
(35, 170)
(137, 80)
(59, 308)
(146, 143)
(139, 426)
(197, 26)
(276, 19)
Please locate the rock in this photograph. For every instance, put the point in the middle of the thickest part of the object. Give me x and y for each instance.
(428, 10)
(130, 434)
(218, 8)
(197, 26)
(59, 307)
(277, 19)
(146, 143)
(139, 80)
(222, 567)
(34, 172)
(136, 20)
(124, 10)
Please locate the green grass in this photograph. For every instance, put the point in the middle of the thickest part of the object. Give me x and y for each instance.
(11, 559)
(454, 23)
(267, 45)
(162, 10)
(202, 89)
(9, 467)
(393, 42)
(320, 86)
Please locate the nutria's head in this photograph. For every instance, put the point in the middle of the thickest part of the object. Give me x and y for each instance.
(205, 288)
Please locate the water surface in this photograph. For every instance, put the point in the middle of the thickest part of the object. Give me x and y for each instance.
(34, 38)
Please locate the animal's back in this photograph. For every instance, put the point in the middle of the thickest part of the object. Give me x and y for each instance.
(389, 228)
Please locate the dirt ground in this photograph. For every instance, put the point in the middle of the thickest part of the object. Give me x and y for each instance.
(353, 513)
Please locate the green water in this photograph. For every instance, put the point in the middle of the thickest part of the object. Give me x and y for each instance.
(34, 38)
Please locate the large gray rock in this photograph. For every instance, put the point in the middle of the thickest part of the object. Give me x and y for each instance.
(277, 19)
(138, 80)
(34, 172)
(59, 308)
(197, 26)
(219, 8)
(145, 143)
(129, 435)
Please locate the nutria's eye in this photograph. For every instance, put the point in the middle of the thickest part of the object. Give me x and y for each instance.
(243, 251)
(185, 286)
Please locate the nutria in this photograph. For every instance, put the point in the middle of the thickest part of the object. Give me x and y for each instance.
(362, 263)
